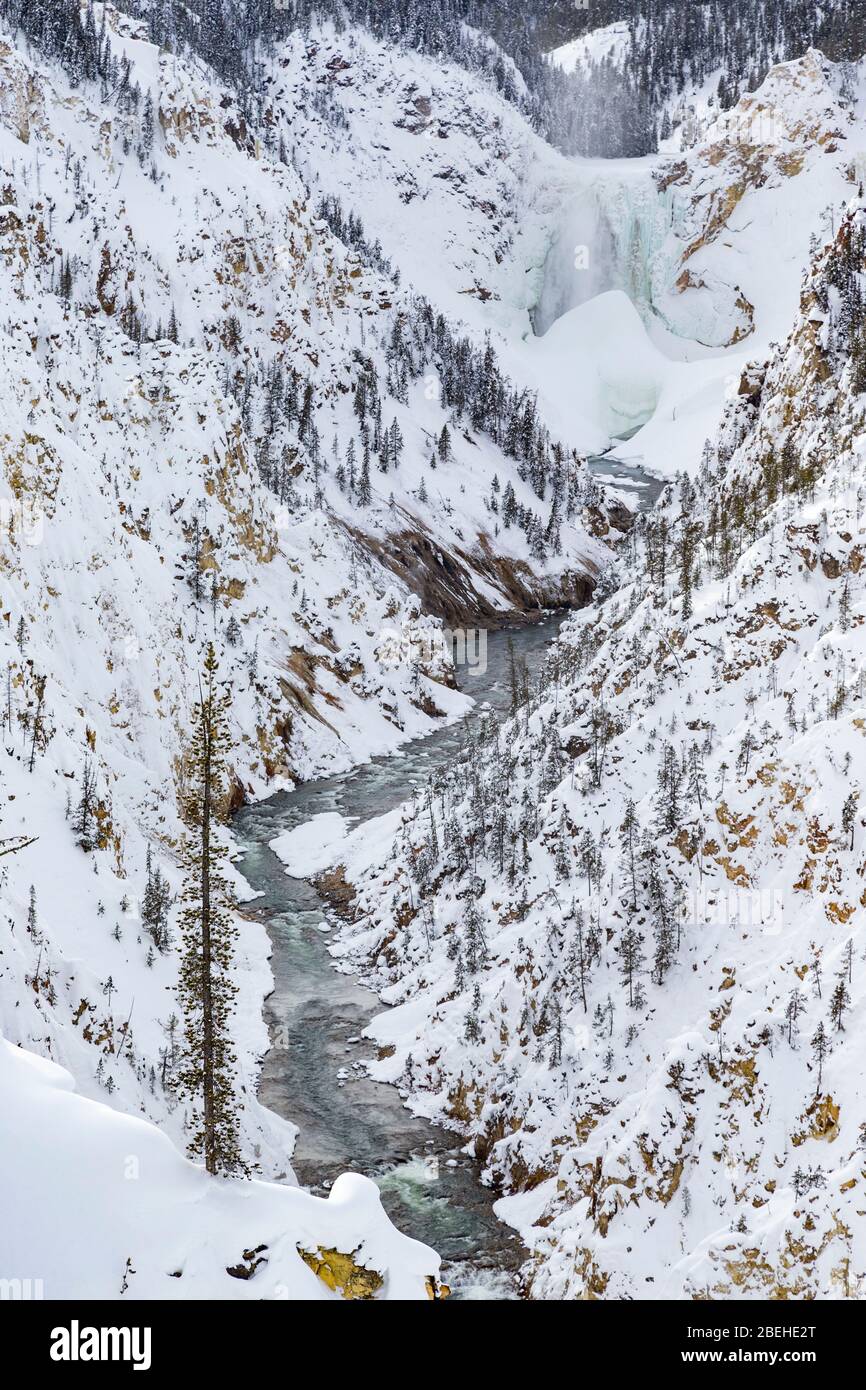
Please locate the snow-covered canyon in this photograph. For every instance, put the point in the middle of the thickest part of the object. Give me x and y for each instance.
(304, 378)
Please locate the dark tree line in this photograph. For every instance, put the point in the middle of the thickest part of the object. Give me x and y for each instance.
(610, 107)
(65, 33)
(841, 297)
(621, 105)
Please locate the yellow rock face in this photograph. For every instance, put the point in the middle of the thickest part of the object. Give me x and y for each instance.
(823, 1118)
(342, 1273)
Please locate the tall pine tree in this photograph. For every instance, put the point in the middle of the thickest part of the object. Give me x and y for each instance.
(206, 990)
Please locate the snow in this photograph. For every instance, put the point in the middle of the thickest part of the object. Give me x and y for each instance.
(493, 206)
(313, 846)
(597, 369)
(113, 449)
(608, 41)
(110, 1201)
(640, 234)
(698, 1114)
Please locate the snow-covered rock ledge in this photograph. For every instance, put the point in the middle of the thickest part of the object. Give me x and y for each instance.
(153, 1225)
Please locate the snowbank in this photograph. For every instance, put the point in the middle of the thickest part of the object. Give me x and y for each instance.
(313, 846)
(109, 1207)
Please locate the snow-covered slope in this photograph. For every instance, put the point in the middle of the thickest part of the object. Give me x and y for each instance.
(444, 173)
(109, 1209)
(747, 197)
(190, 364)
(496, 227)
(611, 41)
(622, 941)
(230, 412)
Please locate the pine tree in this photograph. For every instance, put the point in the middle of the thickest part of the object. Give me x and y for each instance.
(792, 1013)
(395, 444)
(629, 832)
(365, 495)
(631, 960)
(476, 941)
(697, 781)
(509, 506)
(845, 605)
(562, 856)
(206, 990)
(38, 736)
(83, 822)
(155, 907)
(664, 925)
(820, 1048)
(668, 796)
(472, 1025)
(847, 971)
(147, 128)
(33, 918)
(839, 1004)
(579, 957)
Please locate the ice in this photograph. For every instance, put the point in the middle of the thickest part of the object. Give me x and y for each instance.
(612, 234)
(597, 362)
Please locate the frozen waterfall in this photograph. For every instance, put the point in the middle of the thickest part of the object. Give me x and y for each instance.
(609, 258)
(612, 235)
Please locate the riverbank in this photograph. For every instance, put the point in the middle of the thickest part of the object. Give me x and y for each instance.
(315, 1074)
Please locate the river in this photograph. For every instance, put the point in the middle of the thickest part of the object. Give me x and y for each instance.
(315, 1075)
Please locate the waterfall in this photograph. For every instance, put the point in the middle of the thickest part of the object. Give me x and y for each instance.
(580, 263)
(613, 234)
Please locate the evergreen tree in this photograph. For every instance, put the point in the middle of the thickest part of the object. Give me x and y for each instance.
(839, 1004)
(155, 906)
(84, 820)
(668, 797)
(365, 495)
(472, 1025)
(629, 834)
(33, 918)
(631, 961)
(793, 1009)
(820, 1048)
(476, 941)
(206, 990)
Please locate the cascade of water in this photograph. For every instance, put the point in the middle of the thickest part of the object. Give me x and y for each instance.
(580, 263)
(613, 234)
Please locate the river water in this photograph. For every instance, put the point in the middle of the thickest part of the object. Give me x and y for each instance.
(315, 1074)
